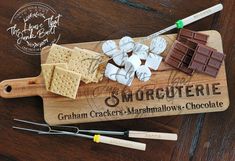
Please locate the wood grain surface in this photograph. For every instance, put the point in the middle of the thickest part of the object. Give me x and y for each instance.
(202, 137)
(91, 106)
(90, 97)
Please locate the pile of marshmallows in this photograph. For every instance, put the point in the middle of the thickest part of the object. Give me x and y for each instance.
(128, 59)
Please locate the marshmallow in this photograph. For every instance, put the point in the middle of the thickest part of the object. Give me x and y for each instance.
(158, 45)
(153, 61)
(141, 50)
(111, 71)
(143, 73)
(109, 47)
(120, 57)
(126, 44)
(124, 78)
(132, 64)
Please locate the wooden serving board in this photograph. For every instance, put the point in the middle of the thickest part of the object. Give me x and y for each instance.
(168, 92)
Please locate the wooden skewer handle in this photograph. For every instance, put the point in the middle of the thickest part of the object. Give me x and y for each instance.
(152, 135)
(122, 143)
(24, 87)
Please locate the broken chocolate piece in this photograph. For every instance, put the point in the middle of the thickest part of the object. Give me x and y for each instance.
(180, 56)
(206, 60)
(185, 34)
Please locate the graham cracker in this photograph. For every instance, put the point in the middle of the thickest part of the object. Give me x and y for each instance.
(48, 70)
(84, 62)
(65, 82)
(59, 54)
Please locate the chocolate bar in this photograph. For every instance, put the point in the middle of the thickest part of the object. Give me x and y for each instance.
(206, 60)
(180, 57)
(185, 34)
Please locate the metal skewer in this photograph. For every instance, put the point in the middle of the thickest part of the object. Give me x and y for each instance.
(96, 138)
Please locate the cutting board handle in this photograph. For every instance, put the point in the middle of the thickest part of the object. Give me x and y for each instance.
(24, 87)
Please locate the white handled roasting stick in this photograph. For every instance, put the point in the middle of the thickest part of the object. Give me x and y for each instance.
(97, 138)
(188, 20)
(97, 135)
(135, 134)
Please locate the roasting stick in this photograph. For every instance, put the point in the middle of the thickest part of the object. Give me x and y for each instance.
(181, 23)
(188, 20)
(136, 134)
(96, 138)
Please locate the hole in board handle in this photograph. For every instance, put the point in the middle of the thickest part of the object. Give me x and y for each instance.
(7, 88)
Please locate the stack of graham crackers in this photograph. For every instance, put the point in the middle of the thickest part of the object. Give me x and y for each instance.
(65, 68)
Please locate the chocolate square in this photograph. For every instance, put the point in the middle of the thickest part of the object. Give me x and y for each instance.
(203, 50)
(200, 58)
(180, 56)
(185, 34)
(191, 43)
(206, 60)
(214, 63)
(217, 55)
(173, 62)
(211, 71)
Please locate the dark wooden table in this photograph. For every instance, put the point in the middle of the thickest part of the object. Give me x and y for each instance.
(202, 137)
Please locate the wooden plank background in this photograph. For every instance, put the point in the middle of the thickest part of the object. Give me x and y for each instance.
(202, 137)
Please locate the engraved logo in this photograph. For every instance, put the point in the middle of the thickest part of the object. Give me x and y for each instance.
(34, 26)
